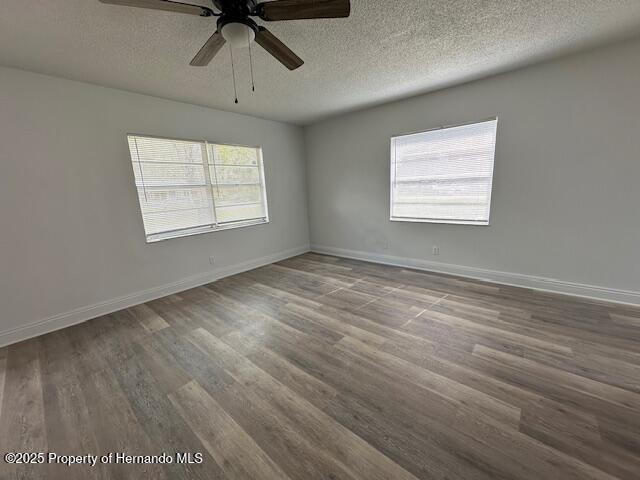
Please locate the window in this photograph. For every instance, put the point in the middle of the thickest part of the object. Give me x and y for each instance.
(189, 187)
(444, 175)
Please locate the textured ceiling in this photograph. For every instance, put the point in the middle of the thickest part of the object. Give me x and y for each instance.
(385, 50)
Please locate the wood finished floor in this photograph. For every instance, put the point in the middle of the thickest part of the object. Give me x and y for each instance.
(324, 368)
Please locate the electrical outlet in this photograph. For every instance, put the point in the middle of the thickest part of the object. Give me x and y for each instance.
(436, 250)
(212, 260)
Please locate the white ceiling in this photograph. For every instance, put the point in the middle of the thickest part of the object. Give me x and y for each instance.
(387, 49)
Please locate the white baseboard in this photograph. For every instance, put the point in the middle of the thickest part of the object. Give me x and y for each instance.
(504, 278)
(88, 312)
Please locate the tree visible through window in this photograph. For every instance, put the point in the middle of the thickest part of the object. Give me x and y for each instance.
(444, 175)
(188, 187)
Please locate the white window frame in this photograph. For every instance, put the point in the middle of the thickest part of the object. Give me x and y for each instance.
(392, 164)
(214, 227)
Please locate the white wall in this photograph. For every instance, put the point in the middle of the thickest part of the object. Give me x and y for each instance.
(566, 199)
(72, 245)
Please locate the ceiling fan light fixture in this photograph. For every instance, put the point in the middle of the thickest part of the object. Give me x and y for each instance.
(238, 34)
(235, 25)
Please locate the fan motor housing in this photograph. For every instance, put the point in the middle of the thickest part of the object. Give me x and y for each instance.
(239, 8)
(236, 11)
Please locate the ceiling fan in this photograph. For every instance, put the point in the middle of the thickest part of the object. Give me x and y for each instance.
(235, 26)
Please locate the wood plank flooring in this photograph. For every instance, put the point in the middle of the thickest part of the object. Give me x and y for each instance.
(319, 367)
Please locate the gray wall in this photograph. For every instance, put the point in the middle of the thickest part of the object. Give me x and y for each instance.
(71, 235)
(566, 198)
(565, 202)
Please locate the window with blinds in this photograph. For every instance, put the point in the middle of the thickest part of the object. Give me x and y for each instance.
(189, 187)
(444, 175)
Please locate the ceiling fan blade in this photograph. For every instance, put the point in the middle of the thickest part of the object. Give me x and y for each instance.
(279, 50)
(208, 50)
(166, 5)
(301, 9)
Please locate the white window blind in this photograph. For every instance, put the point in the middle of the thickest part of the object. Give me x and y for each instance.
(188, 187)
(444, 175)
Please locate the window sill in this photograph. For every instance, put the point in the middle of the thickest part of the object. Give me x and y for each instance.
(159, 237)
(450, 222)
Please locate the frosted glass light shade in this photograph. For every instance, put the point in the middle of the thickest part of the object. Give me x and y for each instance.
(238, 35)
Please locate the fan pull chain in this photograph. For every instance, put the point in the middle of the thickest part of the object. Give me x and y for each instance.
(253, 85)
(233, 72)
